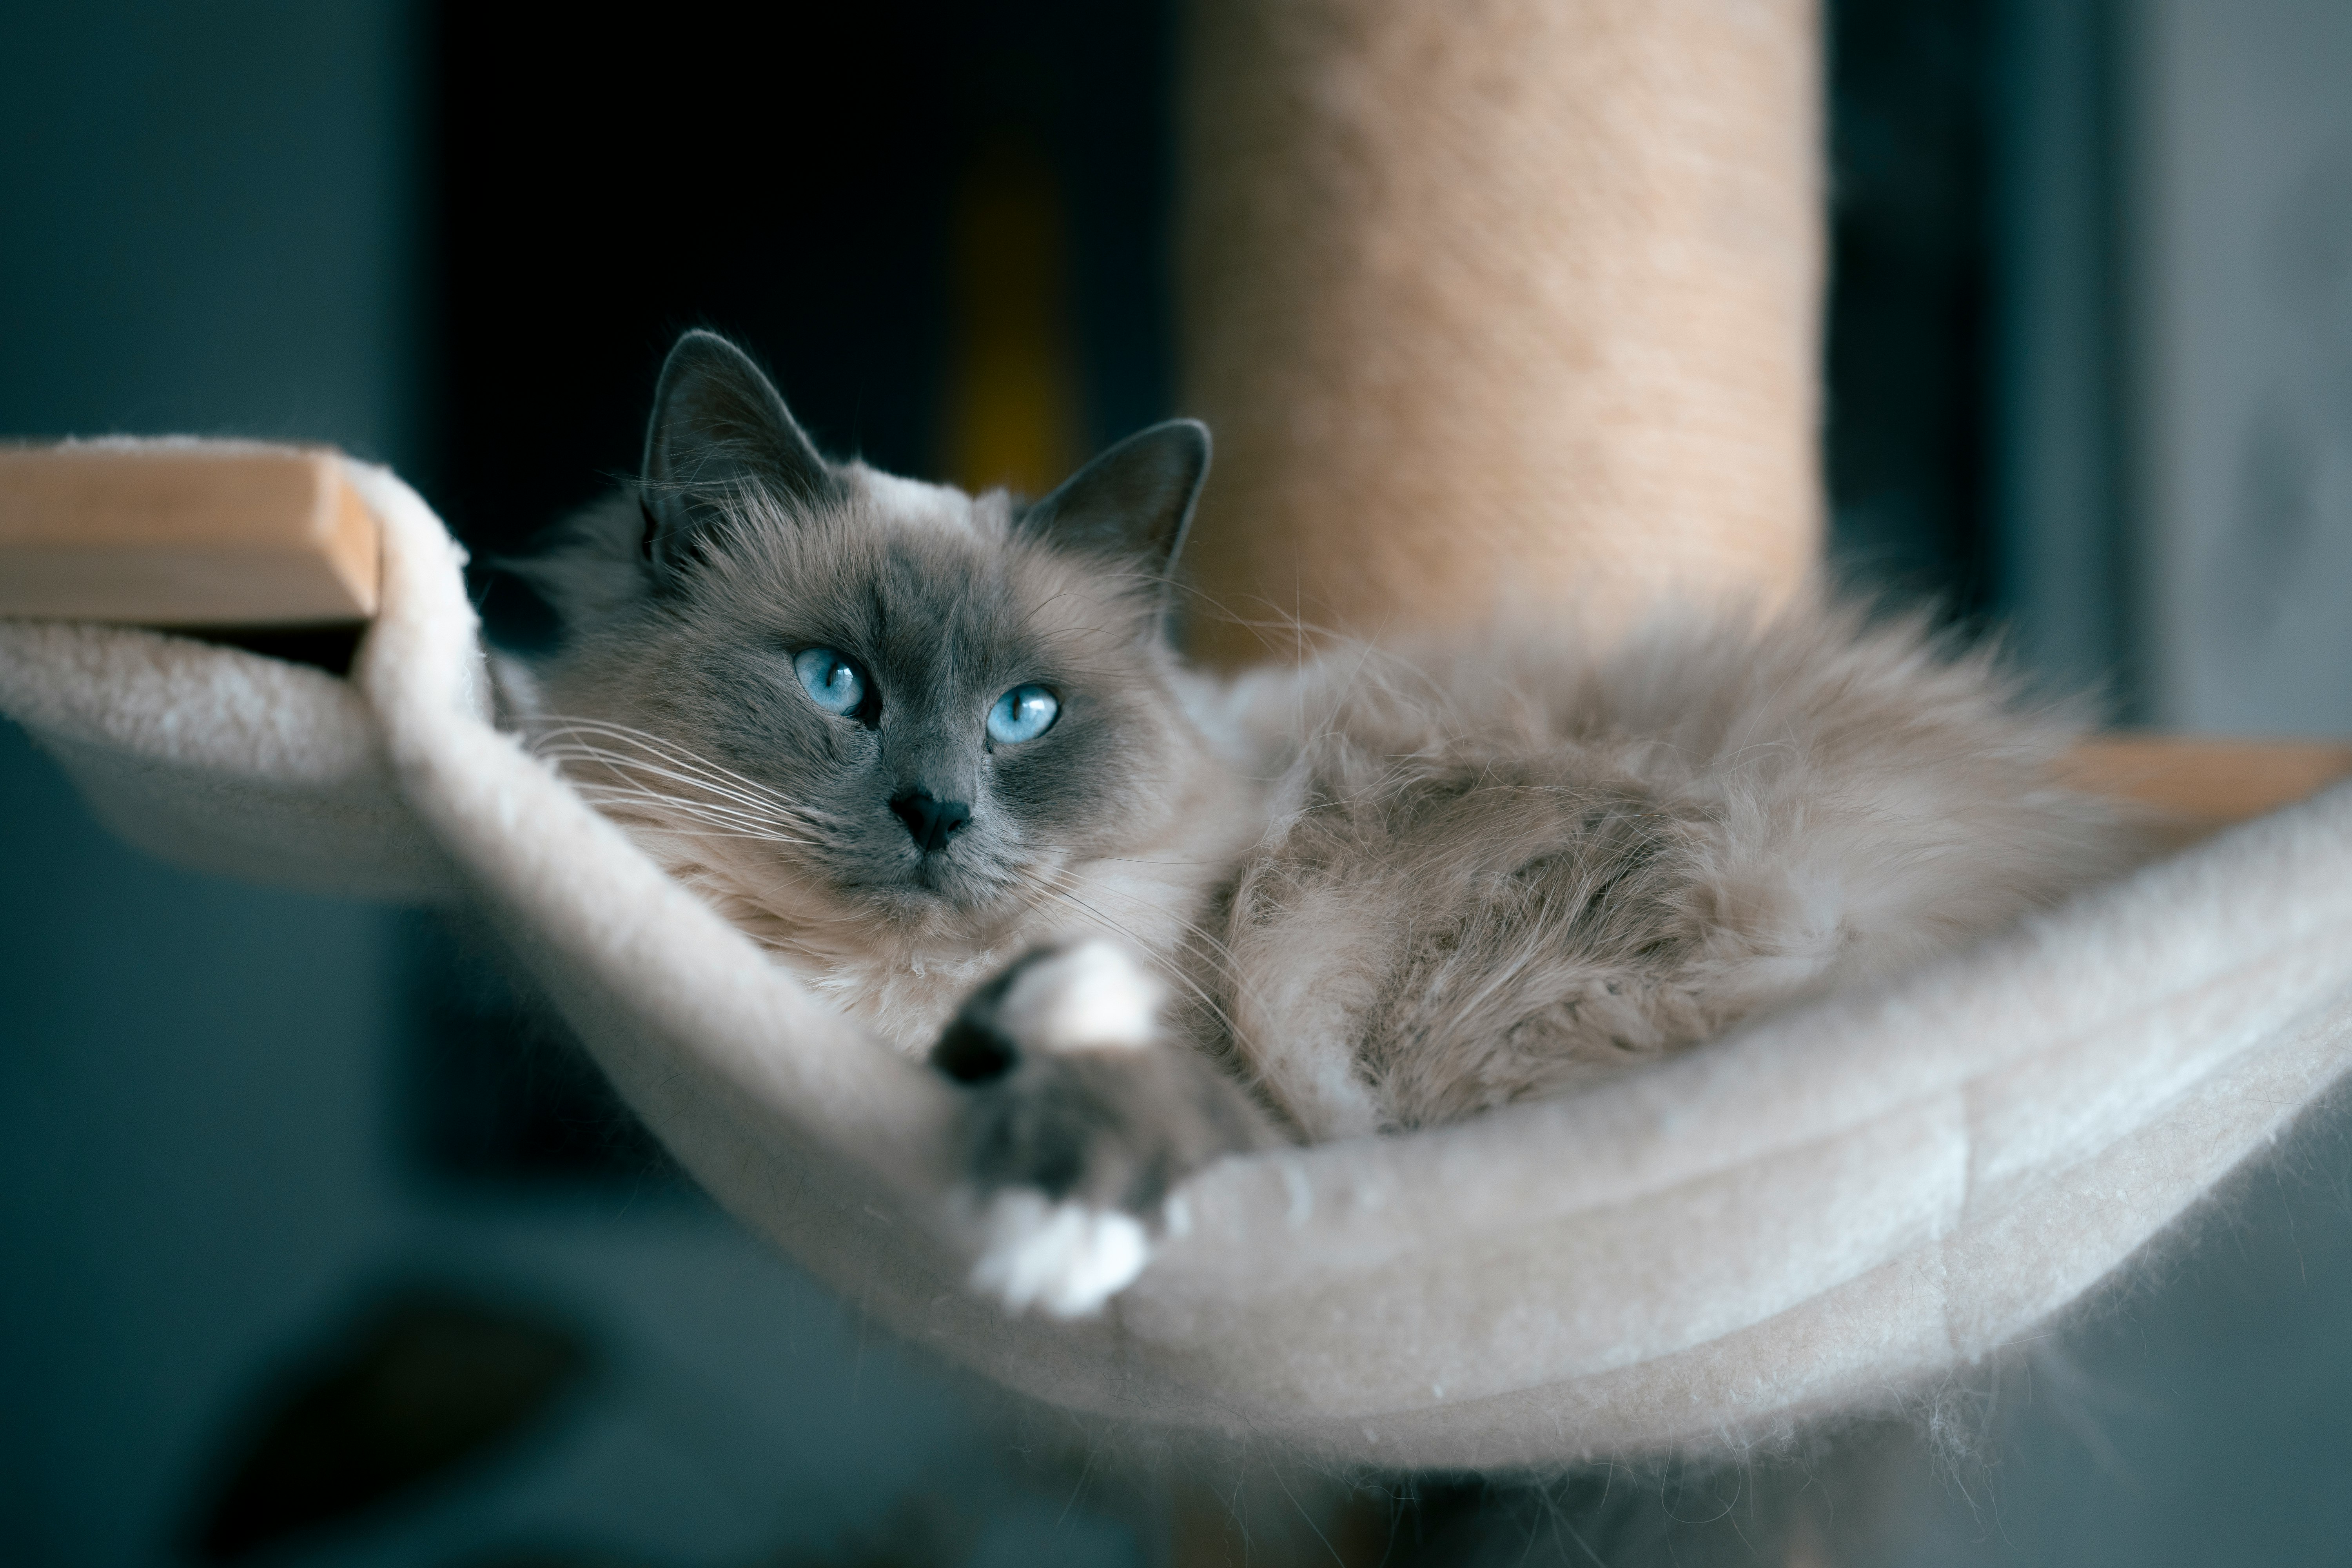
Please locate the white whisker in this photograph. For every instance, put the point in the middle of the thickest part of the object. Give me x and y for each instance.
(630, 767)
(709, 774)
(671, 806)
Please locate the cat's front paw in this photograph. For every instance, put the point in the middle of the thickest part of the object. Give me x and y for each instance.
(1080, 1117)
(1065, 1259)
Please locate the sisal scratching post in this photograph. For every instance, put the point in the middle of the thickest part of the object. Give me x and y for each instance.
(1506, 305)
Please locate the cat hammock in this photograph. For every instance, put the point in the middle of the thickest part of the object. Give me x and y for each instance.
(1558, 265)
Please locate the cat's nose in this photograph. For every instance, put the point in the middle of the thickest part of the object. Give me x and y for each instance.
(931, 823)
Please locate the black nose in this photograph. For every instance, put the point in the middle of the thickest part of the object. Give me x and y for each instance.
(931, 823)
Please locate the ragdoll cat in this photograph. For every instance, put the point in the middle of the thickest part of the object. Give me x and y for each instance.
(935, 752)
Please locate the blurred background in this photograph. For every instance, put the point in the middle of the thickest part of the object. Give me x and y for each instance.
(322, 1249)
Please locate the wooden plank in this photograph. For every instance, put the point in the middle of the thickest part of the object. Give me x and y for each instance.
(184, 535)
(2192, 786)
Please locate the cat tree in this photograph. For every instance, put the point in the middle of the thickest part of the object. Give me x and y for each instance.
(1490, 304)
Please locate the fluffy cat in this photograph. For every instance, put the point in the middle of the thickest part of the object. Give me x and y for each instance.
(935, 752)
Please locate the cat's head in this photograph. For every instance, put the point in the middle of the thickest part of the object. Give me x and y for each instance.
(904, 701)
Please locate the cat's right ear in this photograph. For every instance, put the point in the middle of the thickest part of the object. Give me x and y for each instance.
(719, 426)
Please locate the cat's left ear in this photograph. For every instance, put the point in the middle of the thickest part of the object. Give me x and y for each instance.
(718, 424)
(1135, 502)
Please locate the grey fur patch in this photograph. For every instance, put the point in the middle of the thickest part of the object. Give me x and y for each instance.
(1116, 1128)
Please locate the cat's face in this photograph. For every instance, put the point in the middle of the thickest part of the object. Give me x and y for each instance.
(911, 703)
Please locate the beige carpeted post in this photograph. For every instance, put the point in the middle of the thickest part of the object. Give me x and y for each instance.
(1499, 304)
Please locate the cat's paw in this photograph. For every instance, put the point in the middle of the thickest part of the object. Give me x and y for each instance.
(1065, 1259)
(1080, 1117)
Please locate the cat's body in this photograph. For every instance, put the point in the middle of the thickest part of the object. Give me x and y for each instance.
(1497, 871)
(905, 737)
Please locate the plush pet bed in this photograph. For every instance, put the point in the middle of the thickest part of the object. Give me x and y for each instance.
(1827, 1207)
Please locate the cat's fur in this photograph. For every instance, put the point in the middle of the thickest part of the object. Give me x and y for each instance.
(1385, 888)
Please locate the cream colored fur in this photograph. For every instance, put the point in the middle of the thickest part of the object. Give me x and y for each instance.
(904, 984)
(1514, 866)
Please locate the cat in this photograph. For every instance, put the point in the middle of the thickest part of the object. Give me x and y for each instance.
(936, 752)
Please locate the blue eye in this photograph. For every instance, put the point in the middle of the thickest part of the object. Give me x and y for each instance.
(1023, 714)
(832, 681)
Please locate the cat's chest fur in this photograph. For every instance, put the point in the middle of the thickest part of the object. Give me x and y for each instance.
(905, 991)
(904, 977)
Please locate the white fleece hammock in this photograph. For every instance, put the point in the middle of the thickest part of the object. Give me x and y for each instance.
(1825, 1208)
